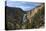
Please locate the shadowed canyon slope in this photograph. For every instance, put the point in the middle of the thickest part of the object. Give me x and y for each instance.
(13, 16)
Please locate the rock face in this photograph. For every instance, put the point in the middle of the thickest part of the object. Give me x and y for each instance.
(16, 18)
(36, 17)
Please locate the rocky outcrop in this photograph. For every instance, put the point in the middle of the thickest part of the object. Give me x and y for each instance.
(37, 14)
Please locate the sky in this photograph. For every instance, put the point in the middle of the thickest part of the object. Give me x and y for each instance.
(21, 4)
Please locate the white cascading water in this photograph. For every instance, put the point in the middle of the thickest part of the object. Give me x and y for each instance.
(24, 18)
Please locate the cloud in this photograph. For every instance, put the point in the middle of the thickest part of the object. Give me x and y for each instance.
(22, 4)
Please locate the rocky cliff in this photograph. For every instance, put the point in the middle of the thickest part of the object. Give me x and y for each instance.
(36, 17)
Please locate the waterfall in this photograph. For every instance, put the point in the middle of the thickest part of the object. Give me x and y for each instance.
(24, 18)
(24, 21)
